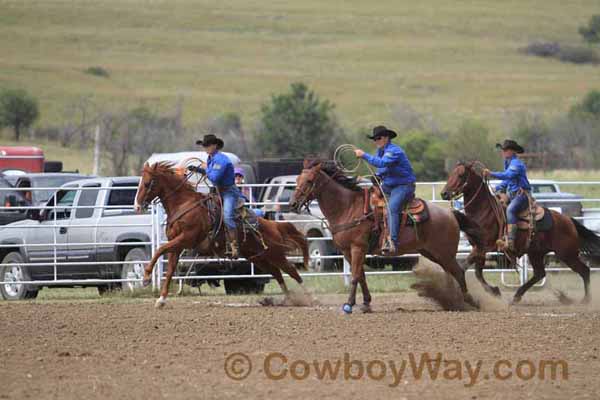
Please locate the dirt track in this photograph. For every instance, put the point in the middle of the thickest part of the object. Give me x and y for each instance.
(89, 349)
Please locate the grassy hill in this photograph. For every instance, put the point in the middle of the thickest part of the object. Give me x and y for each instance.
(451, 59)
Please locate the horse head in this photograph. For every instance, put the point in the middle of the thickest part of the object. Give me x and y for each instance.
(465, 176)
(306, 185)
(148, 188)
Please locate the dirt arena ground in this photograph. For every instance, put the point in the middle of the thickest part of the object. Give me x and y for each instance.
(128, 349)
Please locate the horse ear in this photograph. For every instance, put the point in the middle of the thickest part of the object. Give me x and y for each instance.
(318, 167)
(155, 166)
(306, 163)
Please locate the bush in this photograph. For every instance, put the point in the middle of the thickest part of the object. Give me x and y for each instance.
(97, 71)
(589, 105)
(18, 109)
(542, 49)
(572, 54)
(591, 32)
(472, 141)
(298, 123)
(426, 154)
(578, 55)
(50, 133)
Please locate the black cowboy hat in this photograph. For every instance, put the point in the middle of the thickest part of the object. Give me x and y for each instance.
(380, 131)
(210, 139)
(509, 144)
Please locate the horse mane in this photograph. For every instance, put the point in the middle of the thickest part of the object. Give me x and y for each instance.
(335, 173)
(167, 169)
(476, 166)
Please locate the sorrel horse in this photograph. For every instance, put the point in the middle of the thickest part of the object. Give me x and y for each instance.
(567, 237)
(343, 204)
(189, 226)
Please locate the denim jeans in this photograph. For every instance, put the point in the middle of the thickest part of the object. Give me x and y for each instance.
(516, 205)
(397, 198)
(230, 197)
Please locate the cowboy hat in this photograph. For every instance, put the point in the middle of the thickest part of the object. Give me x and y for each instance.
(509, 144)
(210, 139)
(380, 131)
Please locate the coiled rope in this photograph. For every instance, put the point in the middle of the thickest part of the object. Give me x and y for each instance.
(346, 151)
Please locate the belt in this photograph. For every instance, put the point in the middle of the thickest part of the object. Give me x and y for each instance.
(518, 192)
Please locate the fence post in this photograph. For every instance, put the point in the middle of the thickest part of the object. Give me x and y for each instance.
(347, 268)
(525, 266)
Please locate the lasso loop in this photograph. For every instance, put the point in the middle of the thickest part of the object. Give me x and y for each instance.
(341, 153)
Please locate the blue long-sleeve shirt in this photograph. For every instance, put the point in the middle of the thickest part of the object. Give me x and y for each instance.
(514, 176)
(392, 165)
(219, 170)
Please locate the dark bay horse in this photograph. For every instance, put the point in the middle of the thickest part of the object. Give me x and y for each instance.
(567, 237)
(343, 204)
(189, 227)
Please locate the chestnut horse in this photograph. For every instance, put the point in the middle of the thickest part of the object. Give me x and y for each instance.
(343, 204)
(567, 237)
(189, 226)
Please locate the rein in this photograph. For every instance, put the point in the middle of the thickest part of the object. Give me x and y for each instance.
(184, 211)
(340, 227)
(494, 202)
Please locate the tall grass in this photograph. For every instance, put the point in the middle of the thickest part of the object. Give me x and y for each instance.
(449, 59)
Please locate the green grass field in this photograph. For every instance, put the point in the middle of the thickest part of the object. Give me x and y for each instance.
(451, 59)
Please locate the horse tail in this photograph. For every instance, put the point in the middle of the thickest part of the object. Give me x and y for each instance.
(291, 233)
(589, 242)
(470, 227)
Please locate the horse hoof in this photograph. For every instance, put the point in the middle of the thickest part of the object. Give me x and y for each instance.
(515, 300)
(495, 290)
(471, 301)
(160, 303)
(146, 282)
(347, 308)
(366, 308)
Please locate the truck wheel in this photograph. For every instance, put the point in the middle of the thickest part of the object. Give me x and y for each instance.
(243, 286)
(15, 274)
(134, 270)
(318, 248)
(104, 290)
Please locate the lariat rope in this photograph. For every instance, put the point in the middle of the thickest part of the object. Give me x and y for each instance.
(338, 158)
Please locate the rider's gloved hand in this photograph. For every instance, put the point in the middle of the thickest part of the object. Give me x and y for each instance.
(198, 170)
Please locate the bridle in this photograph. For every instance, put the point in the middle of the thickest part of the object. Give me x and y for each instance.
(307, 194)
(494, 203)
(148, 186)
(461, 192)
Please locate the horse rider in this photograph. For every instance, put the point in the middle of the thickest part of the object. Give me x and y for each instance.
(515, 184)
(219, 170)
(394, 168)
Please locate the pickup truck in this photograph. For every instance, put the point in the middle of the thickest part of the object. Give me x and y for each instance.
(313, 226)
(107, 231)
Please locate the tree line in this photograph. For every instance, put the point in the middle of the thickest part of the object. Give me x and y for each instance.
(299, 123)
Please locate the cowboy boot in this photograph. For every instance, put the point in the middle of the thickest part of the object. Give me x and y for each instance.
(512, 235)
(233, 244)
(389, 246)
(509, 244)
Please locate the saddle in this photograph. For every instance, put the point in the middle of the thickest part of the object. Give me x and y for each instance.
(415, 212)
(534, 217)
(247, 222)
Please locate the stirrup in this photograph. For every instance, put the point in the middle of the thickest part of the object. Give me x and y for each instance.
(388, 247)
(233, 249)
